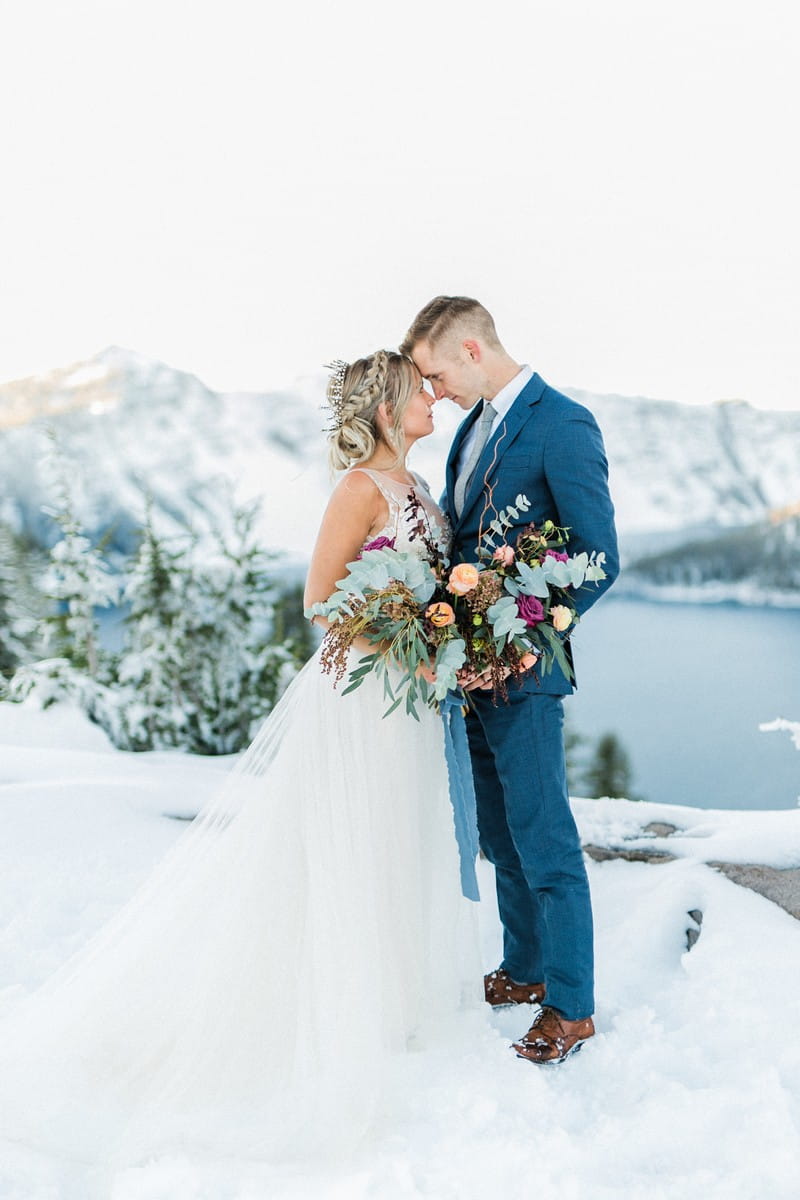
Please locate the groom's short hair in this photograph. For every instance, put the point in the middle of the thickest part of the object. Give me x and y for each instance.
(445, 313)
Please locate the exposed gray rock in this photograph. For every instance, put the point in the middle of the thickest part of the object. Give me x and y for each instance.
(604, 853)
(780, 885)
(693, 930)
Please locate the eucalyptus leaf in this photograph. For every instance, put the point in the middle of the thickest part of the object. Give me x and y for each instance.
(595, 570)
(450, 658)
(505, 620)
(532, 580)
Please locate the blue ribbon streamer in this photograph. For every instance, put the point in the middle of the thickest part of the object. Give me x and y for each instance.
(462, 790)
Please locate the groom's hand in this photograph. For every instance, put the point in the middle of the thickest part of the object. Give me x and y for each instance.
(471, 682)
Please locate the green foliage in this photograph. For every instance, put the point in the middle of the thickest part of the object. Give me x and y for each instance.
(765, 553)
(21, 607)
(499, 527)
(609, 770)
(77, 581)
(505, 621)
(202, 662)
(289, 626)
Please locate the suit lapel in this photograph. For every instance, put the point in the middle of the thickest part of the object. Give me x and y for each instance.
(503, 437)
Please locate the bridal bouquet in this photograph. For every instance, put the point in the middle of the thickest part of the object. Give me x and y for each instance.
(500, 617)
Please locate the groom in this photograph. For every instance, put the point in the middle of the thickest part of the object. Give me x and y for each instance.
(523, 436)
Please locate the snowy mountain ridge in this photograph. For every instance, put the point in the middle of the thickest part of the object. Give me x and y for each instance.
(128, 425)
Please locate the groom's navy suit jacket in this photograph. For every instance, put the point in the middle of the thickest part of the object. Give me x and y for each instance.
(550, 449)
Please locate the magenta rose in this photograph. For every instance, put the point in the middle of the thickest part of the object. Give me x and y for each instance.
(557, 554)
(530, 609)
(380, 543)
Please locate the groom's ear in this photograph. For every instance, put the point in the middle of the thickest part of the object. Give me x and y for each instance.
(472, 349)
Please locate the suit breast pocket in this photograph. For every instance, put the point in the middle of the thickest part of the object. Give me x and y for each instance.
(517, 462)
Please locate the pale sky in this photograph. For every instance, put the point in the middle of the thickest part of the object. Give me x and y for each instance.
(246, 189)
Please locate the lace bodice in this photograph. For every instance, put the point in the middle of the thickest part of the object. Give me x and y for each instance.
(414, 516)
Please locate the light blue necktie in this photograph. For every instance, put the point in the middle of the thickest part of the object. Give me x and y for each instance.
(484, 426)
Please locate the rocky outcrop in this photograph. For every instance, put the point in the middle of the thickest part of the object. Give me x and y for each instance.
(781, 885)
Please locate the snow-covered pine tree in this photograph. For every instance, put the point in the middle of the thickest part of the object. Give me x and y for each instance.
(233, 670)
(202, 663)
(200, 667)
(78, 580)
(15, 626)
(150, 700)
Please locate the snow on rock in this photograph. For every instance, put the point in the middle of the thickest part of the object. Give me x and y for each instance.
(64, 725)
(770, 837)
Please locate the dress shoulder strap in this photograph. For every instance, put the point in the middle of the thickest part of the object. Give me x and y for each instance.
(389, 488)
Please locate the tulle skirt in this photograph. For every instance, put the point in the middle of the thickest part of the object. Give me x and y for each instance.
(256, 994)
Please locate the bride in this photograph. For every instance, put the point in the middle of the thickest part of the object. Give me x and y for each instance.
(257, 993)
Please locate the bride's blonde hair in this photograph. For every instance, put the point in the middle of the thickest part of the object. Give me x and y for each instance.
(382, 376)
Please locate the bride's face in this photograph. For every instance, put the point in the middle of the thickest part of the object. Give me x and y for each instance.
(418, 415)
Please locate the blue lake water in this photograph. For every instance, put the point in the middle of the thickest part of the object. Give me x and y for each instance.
(685, 688)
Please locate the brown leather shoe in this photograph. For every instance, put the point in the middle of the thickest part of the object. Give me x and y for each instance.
(501, 990)
(552, 1038)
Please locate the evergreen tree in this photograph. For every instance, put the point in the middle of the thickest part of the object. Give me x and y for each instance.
(202, 662)
(78, 580)
(291, 629)
(151, 669)
(15, 626)
(609, 771)
(201, 665)
(233, 669)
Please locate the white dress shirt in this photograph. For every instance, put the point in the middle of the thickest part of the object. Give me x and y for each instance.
(501, 404)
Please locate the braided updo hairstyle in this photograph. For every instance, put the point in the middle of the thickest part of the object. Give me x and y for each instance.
(385, 376)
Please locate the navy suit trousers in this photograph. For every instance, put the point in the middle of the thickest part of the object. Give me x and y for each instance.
(528, 832)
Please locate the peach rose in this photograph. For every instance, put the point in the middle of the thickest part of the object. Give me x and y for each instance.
(504, 555)
(440, 615)
(561, 617)
(463, 579)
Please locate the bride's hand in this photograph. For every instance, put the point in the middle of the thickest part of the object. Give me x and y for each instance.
(426, 672)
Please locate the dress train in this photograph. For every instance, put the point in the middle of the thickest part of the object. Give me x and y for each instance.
(253, 996)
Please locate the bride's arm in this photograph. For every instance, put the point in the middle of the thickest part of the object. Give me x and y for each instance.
(355, 509)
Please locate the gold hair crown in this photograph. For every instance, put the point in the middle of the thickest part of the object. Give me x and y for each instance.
(335, 391)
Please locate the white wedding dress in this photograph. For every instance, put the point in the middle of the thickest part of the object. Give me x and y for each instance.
(308, 930)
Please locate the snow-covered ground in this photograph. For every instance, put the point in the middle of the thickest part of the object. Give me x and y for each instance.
(691, 1088)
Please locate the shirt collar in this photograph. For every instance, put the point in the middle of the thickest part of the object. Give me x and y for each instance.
(508, 394)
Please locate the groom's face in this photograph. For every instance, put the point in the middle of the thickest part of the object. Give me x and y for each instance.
(452, 371)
